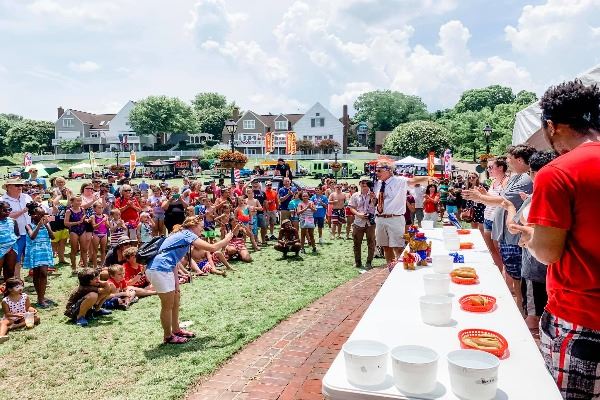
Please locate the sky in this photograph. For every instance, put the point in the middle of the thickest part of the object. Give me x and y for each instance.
(284, 55)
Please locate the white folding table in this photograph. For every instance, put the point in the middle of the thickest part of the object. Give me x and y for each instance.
(394, 319)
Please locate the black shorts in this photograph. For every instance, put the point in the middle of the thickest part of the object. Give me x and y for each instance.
(535, 297)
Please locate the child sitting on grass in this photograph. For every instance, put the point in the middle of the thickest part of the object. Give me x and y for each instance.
(14, 306)
(135, 274)
(87, 299)
(122, 296)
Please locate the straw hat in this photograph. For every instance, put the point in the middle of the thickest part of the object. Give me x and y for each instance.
(12, 181)
(285, 221)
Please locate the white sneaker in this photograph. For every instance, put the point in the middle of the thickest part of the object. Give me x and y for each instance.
(320, 240)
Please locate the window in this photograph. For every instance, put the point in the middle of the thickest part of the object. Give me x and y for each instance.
(318, 138)
(331, 137)
(317, 122)
(68, 122)
(249, 124)
(281, 125)
(317, 114)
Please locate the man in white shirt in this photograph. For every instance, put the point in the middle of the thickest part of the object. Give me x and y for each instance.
(418, 192)
(391, 193)
(18, 202)
(362, 205)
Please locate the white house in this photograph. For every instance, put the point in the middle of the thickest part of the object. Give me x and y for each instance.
(318, 124)
(120, 132)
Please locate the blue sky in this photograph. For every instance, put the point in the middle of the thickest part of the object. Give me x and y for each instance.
(283, 56)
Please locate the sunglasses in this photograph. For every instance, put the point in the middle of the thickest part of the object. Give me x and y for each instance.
(126, 190)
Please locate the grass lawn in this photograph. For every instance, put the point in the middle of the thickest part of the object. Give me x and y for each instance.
(120, 356)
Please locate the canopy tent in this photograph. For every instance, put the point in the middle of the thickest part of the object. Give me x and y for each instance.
(436, 161)
(81, 165)
(528, 121)
(43, 169)
(410, 160)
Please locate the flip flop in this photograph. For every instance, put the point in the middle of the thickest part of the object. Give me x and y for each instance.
(174, 339)
(184, 334)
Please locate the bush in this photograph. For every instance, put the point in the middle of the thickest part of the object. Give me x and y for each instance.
(206, 164)
(416, 139)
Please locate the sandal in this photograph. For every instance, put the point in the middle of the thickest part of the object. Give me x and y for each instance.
(174, 339)
(184, 334)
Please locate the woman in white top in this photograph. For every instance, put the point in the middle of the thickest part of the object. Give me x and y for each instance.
(497, 170)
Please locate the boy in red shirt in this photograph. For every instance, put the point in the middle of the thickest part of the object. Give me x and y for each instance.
(563, 233)
(122, 296)
(135, 274)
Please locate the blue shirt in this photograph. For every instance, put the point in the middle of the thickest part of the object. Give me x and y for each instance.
(321, 208)
(166, 261)
(283, 191)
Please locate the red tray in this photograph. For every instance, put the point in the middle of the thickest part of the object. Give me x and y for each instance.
(463, 231)
(466, 246)
(464, 281)
(475, 332)
(467, 306)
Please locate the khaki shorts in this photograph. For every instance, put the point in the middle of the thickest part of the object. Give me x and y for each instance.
(389, 232)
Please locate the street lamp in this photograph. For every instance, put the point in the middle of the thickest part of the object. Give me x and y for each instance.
(116, 151)
(487, 131)
(231, 127)
(335, 152)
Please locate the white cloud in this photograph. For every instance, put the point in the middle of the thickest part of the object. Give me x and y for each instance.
(3, 69)
(350, 93)
(211, 21)
(555, 25)
(85, 66)
(265, 103)
(84, 12)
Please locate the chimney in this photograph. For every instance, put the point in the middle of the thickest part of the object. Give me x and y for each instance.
(61, 111)
(236, 113)
(346, 123)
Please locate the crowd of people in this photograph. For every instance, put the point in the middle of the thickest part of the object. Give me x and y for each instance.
(537, 211)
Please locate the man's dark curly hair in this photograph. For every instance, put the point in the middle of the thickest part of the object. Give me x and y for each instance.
(574, 104)
(540, 159)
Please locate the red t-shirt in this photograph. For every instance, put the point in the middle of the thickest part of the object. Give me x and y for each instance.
(131, 272)
(430, 206)
(129, 214)
(566, 196)
(271, 196)
(121, 286)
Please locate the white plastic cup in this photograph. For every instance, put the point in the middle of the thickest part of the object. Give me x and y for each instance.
(366, 362)
(414, 368)
(435, 310)
(452, 243)
(436, 284)
(473, 374)
(442, 264)
(29, 319)
(427, 224)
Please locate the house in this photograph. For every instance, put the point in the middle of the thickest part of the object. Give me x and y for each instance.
(315, 125)
(380, 137)
(99, 132)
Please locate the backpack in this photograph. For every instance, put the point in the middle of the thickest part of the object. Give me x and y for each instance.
(147, 251)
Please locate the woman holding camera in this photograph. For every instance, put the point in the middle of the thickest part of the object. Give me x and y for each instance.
(174, 207)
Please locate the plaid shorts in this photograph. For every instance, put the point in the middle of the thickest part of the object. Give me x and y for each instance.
(572, 356)
(511, 258)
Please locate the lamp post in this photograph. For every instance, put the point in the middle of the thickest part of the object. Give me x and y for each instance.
(116, 151)
(487, 131)
(231, 127)
(335, 152)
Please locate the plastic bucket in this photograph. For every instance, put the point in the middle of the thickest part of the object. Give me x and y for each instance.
(436, 284)
(427, 224)
(414, 368)
(435, 310)
(442, 264)
(473, 374)
(366, 362)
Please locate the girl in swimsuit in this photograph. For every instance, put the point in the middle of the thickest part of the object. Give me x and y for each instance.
(75, 220)
(99, 240)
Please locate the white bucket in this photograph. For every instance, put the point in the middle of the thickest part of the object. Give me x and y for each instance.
(435, 310)
(427, 224)
(473, 374)
(442, 264)
(366, 362)
(436, 284)
(452, 243)
(414, 368)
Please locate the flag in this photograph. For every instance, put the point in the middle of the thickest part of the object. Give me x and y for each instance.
(447, 164)
(236, 174)
(431, 163)
(27, 160)
(269, 142)
(290, 143)
(132, 159)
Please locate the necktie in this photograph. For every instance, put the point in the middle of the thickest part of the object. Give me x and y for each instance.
(380, 198)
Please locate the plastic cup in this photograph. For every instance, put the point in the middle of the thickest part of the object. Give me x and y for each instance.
(427, 224)
(452, 243)
(366, 362)
(414, 368)
(473, 374)
(29, 319)
(435, 310)
(436, 284)
(442, 264)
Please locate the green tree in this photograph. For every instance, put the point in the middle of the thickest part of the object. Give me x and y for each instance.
(526, 98)
(416, 139)
(328, 145)
(212, 110)
(385, 109)
(12, 117)
(159, 115)
(212, 154)
(71, 146)
(490, 97)
(5, 125)
(29, 136)
(305, 146)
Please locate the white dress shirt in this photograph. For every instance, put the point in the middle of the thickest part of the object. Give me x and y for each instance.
(394, 201)
(18, 205)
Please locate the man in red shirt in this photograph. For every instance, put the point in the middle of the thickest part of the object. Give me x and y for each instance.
(271, 203)
(563, 233)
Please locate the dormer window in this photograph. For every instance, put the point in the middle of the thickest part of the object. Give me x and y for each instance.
(67, 122)
(281, 125)
(249, 124)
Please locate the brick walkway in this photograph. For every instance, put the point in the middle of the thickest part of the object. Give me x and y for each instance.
(289, 361)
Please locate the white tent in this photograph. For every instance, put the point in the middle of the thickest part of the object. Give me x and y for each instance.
(409, 161)
(436, 161)
(528, 121)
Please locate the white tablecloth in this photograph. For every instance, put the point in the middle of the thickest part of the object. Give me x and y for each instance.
(394, 319)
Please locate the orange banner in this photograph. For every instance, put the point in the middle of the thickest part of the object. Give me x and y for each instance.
(269, 142)
(431, 163)
(290, 143)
